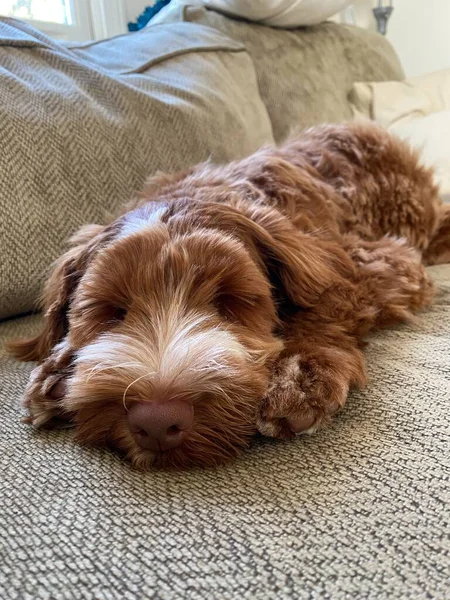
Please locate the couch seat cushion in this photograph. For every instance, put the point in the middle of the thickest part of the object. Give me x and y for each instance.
(357, 511)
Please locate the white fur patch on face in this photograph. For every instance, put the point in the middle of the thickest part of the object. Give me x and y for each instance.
(137, 223)
(174, 351)
(184, 341)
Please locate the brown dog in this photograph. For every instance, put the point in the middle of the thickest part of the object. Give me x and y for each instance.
(232, 299)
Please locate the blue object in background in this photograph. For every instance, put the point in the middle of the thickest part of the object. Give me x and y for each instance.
(149, 13)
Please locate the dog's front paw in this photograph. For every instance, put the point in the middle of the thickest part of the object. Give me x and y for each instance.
(303, 394)
(47, 387)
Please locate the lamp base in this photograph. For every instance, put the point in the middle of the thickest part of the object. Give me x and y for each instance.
(382, 14)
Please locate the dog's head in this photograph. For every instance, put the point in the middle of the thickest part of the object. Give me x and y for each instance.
(172, 331)
(171, 318)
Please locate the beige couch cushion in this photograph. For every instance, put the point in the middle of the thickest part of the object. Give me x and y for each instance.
(82, 129)
(305, 75)
(357, 511)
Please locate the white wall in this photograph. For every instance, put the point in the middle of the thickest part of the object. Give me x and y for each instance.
(419, 31)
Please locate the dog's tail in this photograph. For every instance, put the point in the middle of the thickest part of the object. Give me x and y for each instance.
(438, 251)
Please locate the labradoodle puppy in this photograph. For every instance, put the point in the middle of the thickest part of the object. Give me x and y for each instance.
(234, 299)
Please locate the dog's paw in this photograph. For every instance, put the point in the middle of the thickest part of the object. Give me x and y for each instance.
(303, 395)
(47, 387)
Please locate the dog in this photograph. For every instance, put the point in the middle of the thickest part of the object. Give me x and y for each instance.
(234, 299)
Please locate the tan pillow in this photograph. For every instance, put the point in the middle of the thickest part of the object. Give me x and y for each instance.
(82, 128)
(418, 110)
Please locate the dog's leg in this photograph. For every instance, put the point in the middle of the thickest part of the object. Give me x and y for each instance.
(311, 379)
(47, 387)
(323, 359)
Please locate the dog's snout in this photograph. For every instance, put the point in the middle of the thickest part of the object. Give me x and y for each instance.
(160, 426)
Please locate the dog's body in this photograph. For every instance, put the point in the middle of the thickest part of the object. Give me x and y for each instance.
(231, 299)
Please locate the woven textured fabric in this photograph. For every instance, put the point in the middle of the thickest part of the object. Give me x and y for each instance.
(82, 128)
(315, 67)
(358, 511)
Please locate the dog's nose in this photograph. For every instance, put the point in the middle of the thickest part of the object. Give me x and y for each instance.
(160, 426)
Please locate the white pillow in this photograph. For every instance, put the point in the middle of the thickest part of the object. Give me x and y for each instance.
(417, 110)
(276, 13)
(280, 13)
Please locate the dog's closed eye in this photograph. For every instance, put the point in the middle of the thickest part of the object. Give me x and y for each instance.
(89, 318)
(118, 314)
(233, 307)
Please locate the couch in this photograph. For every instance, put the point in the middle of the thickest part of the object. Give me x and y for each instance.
(359, 510)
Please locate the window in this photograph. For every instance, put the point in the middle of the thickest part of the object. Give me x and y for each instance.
(72, 20)
(55, 11)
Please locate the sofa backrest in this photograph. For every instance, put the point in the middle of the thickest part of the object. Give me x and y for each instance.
(84, 126)
(305, 75)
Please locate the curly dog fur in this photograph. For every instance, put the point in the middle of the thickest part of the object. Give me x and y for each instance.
(243, 291)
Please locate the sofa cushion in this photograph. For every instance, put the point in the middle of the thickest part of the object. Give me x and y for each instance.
(359, 510)
(83, 127)
(304, 75)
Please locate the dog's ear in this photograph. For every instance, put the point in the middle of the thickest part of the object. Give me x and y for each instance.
(59, 288)
(304, 265)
